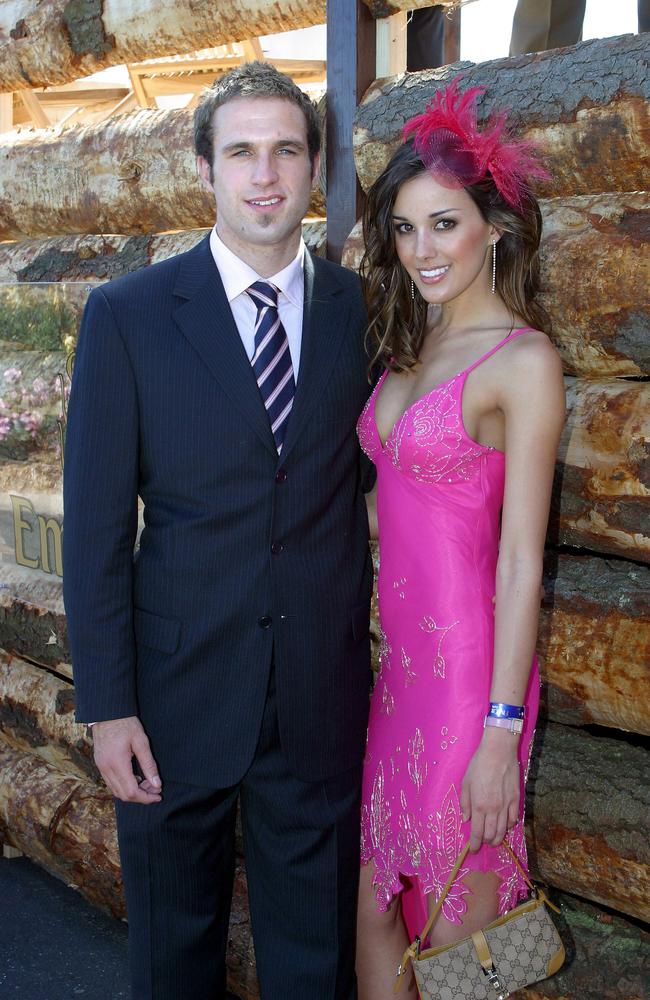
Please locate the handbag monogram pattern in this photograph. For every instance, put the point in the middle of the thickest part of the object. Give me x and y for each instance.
(514, 951)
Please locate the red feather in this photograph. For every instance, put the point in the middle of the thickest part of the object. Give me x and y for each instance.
(447, 138)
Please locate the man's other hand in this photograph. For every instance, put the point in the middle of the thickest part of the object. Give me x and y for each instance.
(116, 742)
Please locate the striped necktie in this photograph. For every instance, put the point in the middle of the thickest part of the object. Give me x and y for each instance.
(272, 359)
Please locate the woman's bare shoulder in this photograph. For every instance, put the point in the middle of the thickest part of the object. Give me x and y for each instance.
(532, 355)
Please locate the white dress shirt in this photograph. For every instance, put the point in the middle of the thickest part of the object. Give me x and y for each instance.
(237, 276)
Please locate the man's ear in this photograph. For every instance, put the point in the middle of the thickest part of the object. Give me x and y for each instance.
(204, 171)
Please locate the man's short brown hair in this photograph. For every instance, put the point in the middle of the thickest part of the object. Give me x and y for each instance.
(254, 79)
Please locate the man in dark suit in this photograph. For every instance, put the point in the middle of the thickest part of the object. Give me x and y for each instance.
(230, 659)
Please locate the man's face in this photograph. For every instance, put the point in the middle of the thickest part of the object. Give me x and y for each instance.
(262, 176)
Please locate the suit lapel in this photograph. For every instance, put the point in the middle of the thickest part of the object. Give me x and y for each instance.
(323, 329)
(206, 320)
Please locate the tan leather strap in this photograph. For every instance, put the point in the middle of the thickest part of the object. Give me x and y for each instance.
(482, 949)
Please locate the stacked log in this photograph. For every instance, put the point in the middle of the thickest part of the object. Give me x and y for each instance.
(56, 41)
(587, 823)
(102, 258)
(135, 173)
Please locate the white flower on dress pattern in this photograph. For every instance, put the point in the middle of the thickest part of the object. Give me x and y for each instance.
(385, 651)
(428, 624)
(447, 830)
(409, 674)
(379, 812)
(436, 418)
(417, 769)
(387, 701)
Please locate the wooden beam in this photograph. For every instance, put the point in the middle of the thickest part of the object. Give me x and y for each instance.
(6, 112)
(85, 95)
(166, 86)
(220, 64)
(351, 66)
(252, 49)
(34, 108)
(140, 94)
(391, 45)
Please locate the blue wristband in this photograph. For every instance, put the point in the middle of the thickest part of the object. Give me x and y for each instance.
(499, 710)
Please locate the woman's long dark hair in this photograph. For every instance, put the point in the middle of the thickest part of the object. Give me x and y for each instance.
(398, 320)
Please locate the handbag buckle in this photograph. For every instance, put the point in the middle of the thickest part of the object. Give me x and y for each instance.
(500, 988)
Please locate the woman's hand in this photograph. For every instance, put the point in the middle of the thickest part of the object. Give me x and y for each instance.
(491, 789)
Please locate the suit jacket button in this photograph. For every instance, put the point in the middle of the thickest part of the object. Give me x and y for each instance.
(281, 476)
(276, 548)
(265, 621)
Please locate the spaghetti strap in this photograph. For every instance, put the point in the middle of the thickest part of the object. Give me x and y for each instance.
(493, 350)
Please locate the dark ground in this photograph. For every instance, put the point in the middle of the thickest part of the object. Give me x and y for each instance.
(53, 944)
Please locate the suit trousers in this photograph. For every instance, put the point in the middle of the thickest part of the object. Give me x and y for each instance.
(549, 24)
(546, 24)
(301, 847)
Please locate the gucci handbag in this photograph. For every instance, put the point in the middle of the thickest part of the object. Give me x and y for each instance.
(514, 951)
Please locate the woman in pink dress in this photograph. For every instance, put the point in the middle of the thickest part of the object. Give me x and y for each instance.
(463, 427)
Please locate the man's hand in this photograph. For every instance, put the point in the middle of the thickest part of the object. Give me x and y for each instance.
(115, 744)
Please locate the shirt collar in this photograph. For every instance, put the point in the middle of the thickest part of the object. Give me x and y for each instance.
(237, 275)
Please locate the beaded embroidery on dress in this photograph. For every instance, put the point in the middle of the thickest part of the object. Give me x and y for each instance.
(439, 496)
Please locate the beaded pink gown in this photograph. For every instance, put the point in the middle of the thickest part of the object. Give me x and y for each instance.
(439, 496)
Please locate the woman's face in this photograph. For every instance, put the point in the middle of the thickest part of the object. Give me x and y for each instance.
(442, 240)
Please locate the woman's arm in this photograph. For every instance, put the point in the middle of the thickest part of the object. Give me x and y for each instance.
(532, 400)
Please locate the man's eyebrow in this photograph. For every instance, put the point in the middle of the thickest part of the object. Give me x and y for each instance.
(246, 144)
(433, 215)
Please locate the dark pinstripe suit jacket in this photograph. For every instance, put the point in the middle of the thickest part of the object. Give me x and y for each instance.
(164, 405)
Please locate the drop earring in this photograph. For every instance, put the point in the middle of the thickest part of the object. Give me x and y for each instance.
(412, 289)
(494, 266)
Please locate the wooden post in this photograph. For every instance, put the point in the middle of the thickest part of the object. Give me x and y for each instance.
(351, 66)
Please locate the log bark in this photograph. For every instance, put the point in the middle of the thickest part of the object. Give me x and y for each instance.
(135, 173)
(37, 715)
(601, 496)
(588, 802)
(54, 41)
(386, 8)
(102, 258)
(585, 105)
(26, 629)
(594, 642)
(593, 264)
(64, 823)
(593, 270)
(608, 958)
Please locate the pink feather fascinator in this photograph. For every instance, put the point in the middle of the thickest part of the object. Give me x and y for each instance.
(447, 139)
